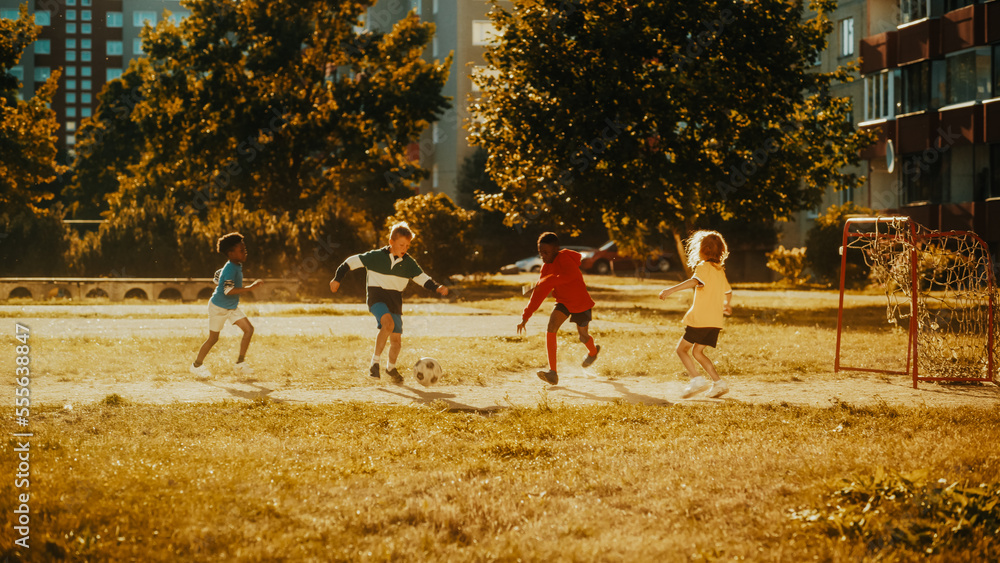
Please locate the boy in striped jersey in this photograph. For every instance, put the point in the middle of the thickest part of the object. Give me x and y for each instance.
(390, 269)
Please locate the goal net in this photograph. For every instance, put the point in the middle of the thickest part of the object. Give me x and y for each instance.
(940, 290)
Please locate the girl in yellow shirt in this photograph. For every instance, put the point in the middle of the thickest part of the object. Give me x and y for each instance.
(707, 252)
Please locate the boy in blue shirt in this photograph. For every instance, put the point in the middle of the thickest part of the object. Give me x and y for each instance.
(225, 302)
(390, 269)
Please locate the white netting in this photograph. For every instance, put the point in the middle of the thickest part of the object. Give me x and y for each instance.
(955, 293)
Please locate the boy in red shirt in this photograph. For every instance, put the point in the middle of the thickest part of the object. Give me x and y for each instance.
(562, 277)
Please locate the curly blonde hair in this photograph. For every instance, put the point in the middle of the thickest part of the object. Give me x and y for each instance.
(706, 246)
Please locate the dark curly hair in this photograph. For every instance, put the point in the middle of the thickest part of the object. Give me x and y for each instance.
(227, 242)
(549, 238)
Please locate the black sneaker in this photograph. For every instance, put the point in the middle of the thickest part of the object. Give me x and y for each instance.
(374, 372)
(394, 375)
(590, 359)
(550, 377)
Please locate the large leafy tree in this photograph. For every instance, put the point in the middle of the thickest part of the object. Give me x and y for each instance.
(33, 238)
(652, 115)
(272, 107)
(27, 127)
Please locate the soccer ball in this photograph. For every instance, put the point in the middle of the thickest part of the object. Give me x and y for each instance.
(427, 371)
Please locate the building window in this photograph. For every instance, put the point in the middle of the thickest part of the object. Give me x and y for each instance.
(916, 87)
(71, 71)
(85, 98)
(483, 32)
(71, 56)
(8, 14)
(435, 177)
(434, 47)
(913, 10)
(85, 43)
(847, 37)
(85, 71)
(18, 73)
(42, 73)
(85, 28)
(70, 140)
(70, 112)
(71, 2)
(86, 112)
(70, 28)
(70, 97)
(139, 18)
(921, 178)
(114, 48)
(71, 84)
(178, 18)
(479, 73)
(71, 43)
(435, 7)
(113, 73)
(969, 76)
(415, 6)
(86, 84)
(70, 126)
(86, 15)
(880, 95)
(85, 56)
(71, 15)
(43, 17)
(43, 47)
(137, 47)
(114, 19)
(85, 3)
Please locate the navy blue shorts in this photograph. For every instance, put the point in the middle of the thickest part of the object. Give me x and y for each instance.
(582, 318)
(698, 335)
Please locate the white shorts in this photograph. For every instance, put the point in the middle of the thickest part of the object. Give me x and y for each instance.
(217, 317)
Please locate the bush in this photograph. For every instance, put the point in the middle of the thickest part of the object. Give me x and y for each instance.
(823, 246)
(789, 263)
(443, 243)
(33, 242)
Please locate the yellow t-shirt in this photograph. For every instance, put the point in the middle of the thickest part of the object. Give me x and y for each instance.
(709, 297)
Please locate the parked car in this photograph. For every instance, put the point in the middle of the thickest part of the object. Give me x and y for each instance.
(602, 260)
(534, 263)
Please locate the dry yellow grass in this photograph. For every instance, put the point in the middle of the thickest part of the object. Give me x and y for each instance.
(270, 482)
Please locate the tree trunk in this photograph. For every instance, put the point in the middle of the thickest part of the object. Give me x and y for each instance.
(679, 242)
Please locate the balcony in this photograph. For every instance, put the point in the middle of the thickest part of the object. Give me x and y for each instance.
(918, 41)
(885, 130)
(916, 131)
(963, 28)
(878, 52)
(991, 121)
(961, 125)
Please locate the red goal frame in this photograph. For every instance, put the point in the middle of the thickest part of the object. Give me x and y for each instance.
(915, 237)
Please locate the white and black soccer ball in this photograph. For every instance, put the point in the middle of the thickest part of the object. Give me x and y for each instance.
(427, 371)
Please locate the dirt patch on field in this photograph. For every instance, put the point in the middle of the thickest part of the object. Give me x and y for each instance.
(527, 391)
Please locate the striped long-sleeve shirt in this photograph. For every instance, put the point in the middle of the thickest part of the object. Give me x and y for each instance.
(388, 276)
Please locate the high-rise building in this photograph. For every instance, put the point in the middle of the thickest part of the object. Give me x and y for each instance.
(91, 42)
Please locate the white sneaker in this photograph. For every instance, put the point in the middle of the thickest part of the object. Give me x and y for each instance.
(201, 372)
(695, 386)
(243, 368)
(719, 388)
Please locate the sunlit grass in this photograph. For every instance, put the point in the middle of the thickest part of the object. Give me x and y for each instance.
(263, 481)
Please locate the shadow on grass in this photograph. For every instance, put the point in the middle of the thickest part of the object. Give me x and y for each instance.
(261, 392)
(428, 397)
(623, 394)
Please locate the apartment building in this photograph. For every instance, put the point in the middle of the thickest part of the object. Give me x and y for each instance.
(931, 73)
(91, 42)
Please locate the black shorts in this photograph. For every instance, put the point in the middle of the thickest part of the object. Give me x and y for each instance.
(698, 335)
(581, 319)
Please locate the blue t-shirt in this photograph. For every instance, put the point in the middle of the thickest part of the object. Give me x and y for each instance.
(229, 277)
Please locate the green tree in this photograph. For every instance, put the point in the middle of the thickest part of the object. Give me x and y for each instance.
(33, 237)
(443, 243)
(649, 115)
(27, 127)
(278, 107)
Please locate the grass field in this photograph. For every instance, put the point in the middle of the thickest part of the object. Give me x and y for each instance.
(266, 481)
